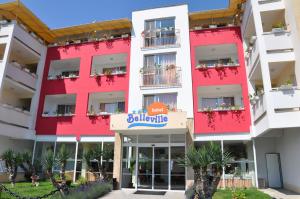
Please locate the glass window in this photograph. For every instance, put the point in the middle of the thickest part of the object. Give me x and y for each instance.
(129, 167)
(170, 99)
(217, 102)
(41, 150)
(239, 172)
(160, 32)
(112, 107)
(160, 60)
(177, 172)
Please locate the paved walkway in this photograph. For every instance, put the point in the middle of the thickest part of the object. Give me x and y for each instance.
(281, 193)
(129, 194)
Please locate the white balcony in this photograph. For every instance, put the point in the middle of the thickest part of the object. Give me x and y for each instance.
(168, 76)
(64, 68)
(21, 75)
(253, 53)
(106, 103)
(258, 106)
(278, 41)
(114, 64)
(268, 5)
(61, 105)
(161, 38)
(14, 115)
(286, 99)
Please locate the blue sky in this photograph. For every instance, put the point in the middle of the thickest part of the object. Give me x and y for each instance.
(62, 13)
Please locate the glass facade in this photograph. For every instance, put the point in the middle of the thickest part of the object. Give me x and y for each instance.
(150, 162)
(90, 170)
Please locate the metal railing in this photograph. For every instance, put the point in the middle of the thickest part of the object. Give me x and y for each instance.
(160, 38)
(167, 76)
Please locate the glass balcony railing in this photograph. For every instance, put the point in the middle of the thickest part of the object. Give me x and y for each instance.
(160, 38)
(167, 76)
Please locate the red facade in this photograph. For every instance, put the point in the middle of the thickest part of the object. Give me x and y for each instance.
(216, 122)
(80, 123)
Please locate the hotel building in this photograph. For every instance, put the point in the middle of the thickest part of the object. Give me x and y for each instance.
(229, 76)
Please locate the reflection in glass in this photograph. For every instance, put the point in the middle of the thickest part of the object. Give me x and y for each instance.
(177, 172)
(129, 167)
(145, 167)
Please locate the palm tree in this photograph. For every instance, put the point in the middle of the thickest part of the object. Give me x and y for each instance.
(12, 162)
(48, 163)
(97, 153)
(207, 163)
(62, 158)
(28, 167)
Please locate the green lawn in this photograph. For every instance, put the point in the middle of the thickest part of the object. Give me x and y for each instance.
(26, 190)
(250, 194)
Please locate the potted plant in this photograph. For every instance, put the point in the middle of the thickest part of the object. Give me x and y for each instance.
(213, 25)
(252, 99)
(108, 72)
(91, 111)
(201, 66)
(219, 64)
(131, 170)
(278, 27)
(198, 28)
(287, 86)
(59, 76)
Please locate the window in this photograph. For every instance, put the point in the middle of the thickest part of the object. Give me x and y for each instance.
(169, 99)
(160, 32)
(161, 70)
(217, 102)
(112, 107)
(161, 60)
(65, 109)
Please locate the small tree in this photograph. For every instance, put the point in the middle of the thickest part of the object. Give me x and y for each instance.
(207, 163)
(12, 162)
(48, 164)
(97, 154)
(62, 158)
(28, 167)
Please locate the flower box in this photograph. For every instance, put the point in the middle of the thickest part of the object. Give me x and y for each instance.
(286, 87)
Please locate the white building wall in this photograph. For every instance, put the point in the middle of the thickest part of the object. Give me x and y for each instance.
(184, 98)
(8, 32)
(288, 145)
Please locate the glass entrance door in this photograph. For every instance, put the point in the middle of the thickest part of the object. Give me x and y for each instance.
(161, 168)
(145, 168)
(150, 162)
(153, 167)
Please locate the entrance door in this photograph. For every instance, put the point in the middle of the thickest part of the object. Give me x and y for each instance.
(274, 171)
(153, 167)
(145, 168)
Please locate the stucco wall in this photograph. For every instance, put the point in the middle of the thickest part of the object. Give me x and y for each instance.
(225, 121)
(81, 124)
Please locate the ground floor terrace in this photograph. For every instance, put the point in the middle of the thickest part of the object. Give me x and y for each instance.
(148, 159)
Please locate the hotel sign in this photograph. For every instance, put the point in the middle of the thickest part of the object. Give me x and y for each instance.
(155, 116)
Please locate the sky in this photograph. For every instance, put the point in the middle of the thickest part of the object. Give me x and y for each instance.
(63, 13)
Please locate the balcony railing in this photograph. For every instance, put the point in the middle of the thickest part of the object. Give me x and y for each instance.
(278, 41)
(22, 75)
(167, 76)
(14, 115)
(160, 38)
(259, 106)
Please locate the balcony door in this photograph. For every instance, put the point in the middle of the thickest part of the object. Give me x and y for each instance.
(159, 32)
(160, 69)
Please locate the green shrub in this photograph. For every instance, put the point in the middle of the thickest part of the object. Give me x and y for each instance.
(81, 181)
(238, 194)
(89, 191)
